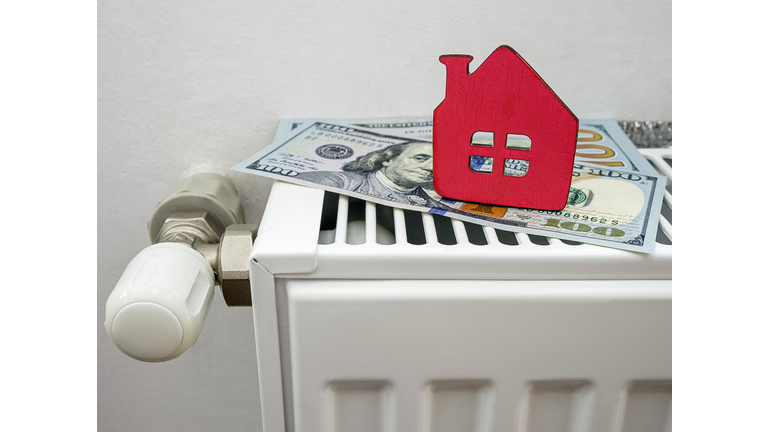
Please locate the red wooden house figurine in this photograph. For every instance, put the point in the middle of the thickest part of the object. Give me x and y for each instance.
(502, 136)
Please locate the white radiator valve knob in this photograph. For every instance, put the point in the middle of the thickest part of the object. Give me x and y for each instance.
(158, 306)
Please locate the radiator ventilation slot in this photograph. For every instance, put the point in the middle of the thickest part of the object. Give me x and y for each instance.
(457, 406)
(353, 406)
(352, 221)
(553, 406)
(646, 406)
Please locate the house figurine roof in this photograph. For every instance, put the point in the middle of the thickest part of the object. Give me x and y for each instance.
(502, 136)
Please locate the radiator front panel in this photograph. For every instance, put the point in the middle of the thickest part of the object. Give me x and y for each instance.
(410, 355)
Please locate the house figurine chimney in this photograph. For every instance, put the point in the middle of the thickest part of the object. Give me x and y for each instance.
(505, 103)
(457, 71)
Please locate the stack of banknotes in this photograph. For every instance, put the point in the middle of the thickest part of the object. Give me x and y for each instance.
(614, 201)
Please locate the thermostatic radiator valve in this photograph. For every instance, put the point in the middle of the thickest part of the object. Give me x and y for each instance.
(158, 307)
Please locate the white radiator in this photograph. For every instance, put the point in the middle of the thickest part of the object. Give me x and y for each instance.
(373, 319)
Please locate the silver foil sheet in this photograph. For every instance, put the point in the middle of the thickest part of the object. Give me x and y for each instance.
(648, 134)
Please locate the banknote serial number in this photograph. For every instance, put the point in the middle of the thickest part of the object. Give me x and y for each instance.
(585, 218)
(314, 135)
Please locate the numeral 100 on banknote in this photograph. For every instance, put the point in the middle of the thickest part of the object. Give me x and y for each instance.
(584, 228)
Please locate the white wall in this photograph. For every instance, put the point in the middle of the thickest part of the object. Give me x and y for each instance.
(195, 85)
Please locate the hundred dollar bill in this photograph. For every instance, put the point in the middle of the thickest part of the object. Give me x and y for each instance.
(599, 142)
(607, 207)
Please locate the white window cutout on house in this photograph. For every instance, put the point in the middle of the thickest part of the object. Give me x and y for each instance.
(515, 167)
(518, 142)
(481, 164)
(481, 138)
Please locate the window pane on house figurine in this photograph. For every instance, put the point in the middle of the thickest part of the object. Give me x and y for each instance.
(515, 167)
(518, 142)
(481, 138)
(481, 164)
